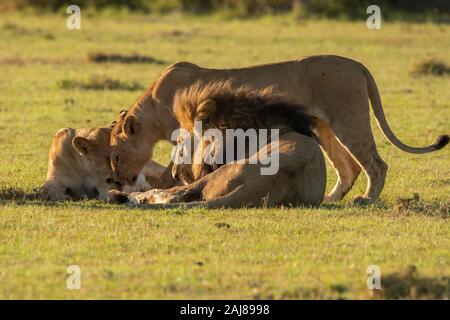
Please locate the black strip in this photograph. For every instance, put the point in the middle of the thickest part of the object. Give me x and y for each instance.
(232, 309)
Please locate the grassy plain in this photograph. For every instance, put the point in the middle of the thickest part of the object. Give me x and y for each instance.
(48, 82)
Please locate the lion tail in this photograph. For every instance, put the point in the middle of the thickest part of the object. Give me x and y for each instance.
(377, 108)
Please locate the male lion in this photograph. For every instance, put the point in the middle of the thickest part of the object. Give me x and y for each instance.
(79, 165)
(335, 90)
(300, 180)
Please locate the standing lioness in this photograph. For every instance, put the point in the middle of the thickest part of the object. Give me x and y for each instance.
(336, 91)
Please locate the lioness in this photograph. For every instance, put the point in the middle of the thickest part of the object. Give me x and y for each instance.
(79, 165)
(300, 180)
(335, 90)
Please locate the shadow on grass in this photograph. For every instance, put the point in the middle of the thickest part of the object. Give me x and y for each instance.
(406, 285)
(11, 193)
(403, 206)
(81, 204)
(15, 195)
(411, 285)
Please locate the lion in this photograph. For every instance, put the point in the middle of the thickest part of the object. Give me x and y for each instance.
(79, 166)
(335, 90)
(301, 175)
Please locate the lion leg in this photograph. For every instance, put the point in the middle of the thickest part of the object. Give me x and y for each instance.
(347, 169)
(234, 199)
(173, 195)
(177, 194)
(359, 141)
(50, 191)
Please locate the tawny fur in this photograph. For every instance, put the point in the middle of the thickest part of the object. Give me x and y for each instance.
(73, 174)
(237, 108)
(241, 107)
(301, 177)
(335, 90)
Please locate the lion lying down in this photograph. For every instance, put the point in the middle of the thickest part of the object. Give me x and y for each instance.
(79, 166)
(300, 180)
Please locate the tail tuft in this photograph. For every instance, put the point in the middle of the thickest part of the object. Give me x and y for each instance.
(442, 141)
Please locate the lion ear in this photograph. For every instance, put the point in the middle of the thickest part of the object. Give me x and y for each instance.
(206, 108)
(82, 145)
(130, 125)
(112, 124)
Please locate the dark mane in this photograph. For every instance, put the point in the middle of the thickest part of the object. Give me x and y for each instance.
(243, 108)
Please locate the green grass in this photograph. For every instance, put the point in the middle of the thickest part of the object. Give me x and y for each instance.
(276, 253)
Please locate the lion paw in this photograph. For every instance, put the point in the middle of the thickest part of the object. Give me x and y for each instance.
(361, 201)
(115, 196)
(332, 197)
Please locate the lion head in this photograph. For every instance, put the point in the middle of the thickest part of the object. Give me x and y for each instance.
(94, 147)
(92, 144)
(130, 150)
(79, 165)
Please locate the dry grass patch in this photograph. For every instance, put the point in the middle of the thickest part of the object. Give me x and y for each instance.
(100, 57)
(22, 31)
(431, 67)
(414, 205)
(100, 83)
